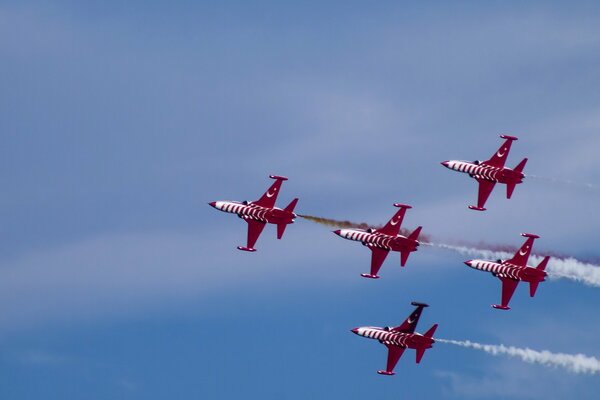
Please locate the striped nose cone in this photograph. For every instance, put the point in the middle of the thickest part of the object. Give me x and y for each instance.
(446, 164)
(469, 263)
(213, 204)
(355, 331)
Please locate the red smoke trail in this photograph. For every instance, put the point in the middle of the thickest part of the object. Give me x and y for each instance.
(334, 223)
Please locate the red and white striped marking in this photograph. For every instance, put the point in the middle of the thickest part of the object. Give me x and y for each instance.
(245, 211)
(505, 270)
(477, 171)
(376, 239)
(387, 337)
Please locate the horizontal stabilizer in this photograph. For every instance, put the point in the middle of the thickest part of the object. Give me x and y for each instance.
(509, 137)
(417, 304)
(404, 257)
(283, 178)
(402, 205)
(510, 188)
(280, 230)
(533, 287)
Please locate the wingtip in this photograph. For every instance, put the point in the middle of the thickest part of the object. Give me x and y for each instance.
(477, 208)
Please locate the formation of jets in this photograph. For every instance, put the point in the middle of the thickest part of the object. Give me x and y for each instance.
(388, 238)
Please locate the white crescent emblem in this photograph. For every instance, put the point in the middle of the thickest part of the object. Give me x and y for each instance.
(269, 194)
(394, 222)
(410, 321)
(499, 154)
(523, 252)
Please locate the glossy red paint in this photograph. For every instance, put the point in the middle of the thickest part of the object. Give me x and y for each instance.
(400, 338)
(261, 212)
(383, 240)
(511, 272)
(488, 173)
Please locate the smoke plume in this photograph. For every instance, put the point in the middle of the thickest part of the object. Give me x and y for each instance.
(334, 223)
(337, 224)
(569, 182)
(577, 363)
(558, 266)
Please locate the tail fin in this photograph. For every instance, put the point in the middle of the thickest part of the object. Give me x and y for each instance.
(510, 187)
(281, 227)
(542, 265)
(405, 253)
(421, 350)
(415, 234)
(520, 166)
(431, 331)
(290, 207)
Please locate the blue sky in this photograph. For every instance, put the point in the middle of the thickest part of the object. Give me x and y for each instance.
(120, 121)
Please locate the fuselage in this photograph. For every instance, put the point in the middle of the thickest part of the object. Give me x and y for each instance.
(400, 339)
(482, 171)
(248, 210)
(508, 270)
(376, 239)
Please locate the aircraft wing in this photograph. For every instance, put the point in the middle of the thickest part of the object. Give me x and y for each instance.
(498, 159)
(508, 288)
(255, 228)
(409, 325)
(522, 256)
(394, 354)
(269, 198)
(485, 188)
(377, 258)
(392, 228)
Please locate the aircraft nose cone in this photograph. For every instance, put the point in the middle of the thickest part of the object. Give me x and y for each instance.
(469, 263)
(338, 232)
(212, 204)
(355, 330)
(445, 164)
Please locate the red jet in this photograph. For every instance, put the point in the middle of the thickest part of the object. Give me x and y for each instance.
(260, 212)
(514, 270)
(381, 241)
(401, 338)
(490, 172)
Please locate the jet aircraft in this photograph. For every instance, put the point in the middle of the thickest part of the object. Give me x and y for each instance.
(382, 240)
(400, 338)
(488, 173)
(512, 271)
(260, 212)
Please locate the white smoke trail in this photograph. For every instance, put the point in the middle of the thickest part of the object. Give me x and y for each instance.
(570, 182)
(577, 363)
(569, 268)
